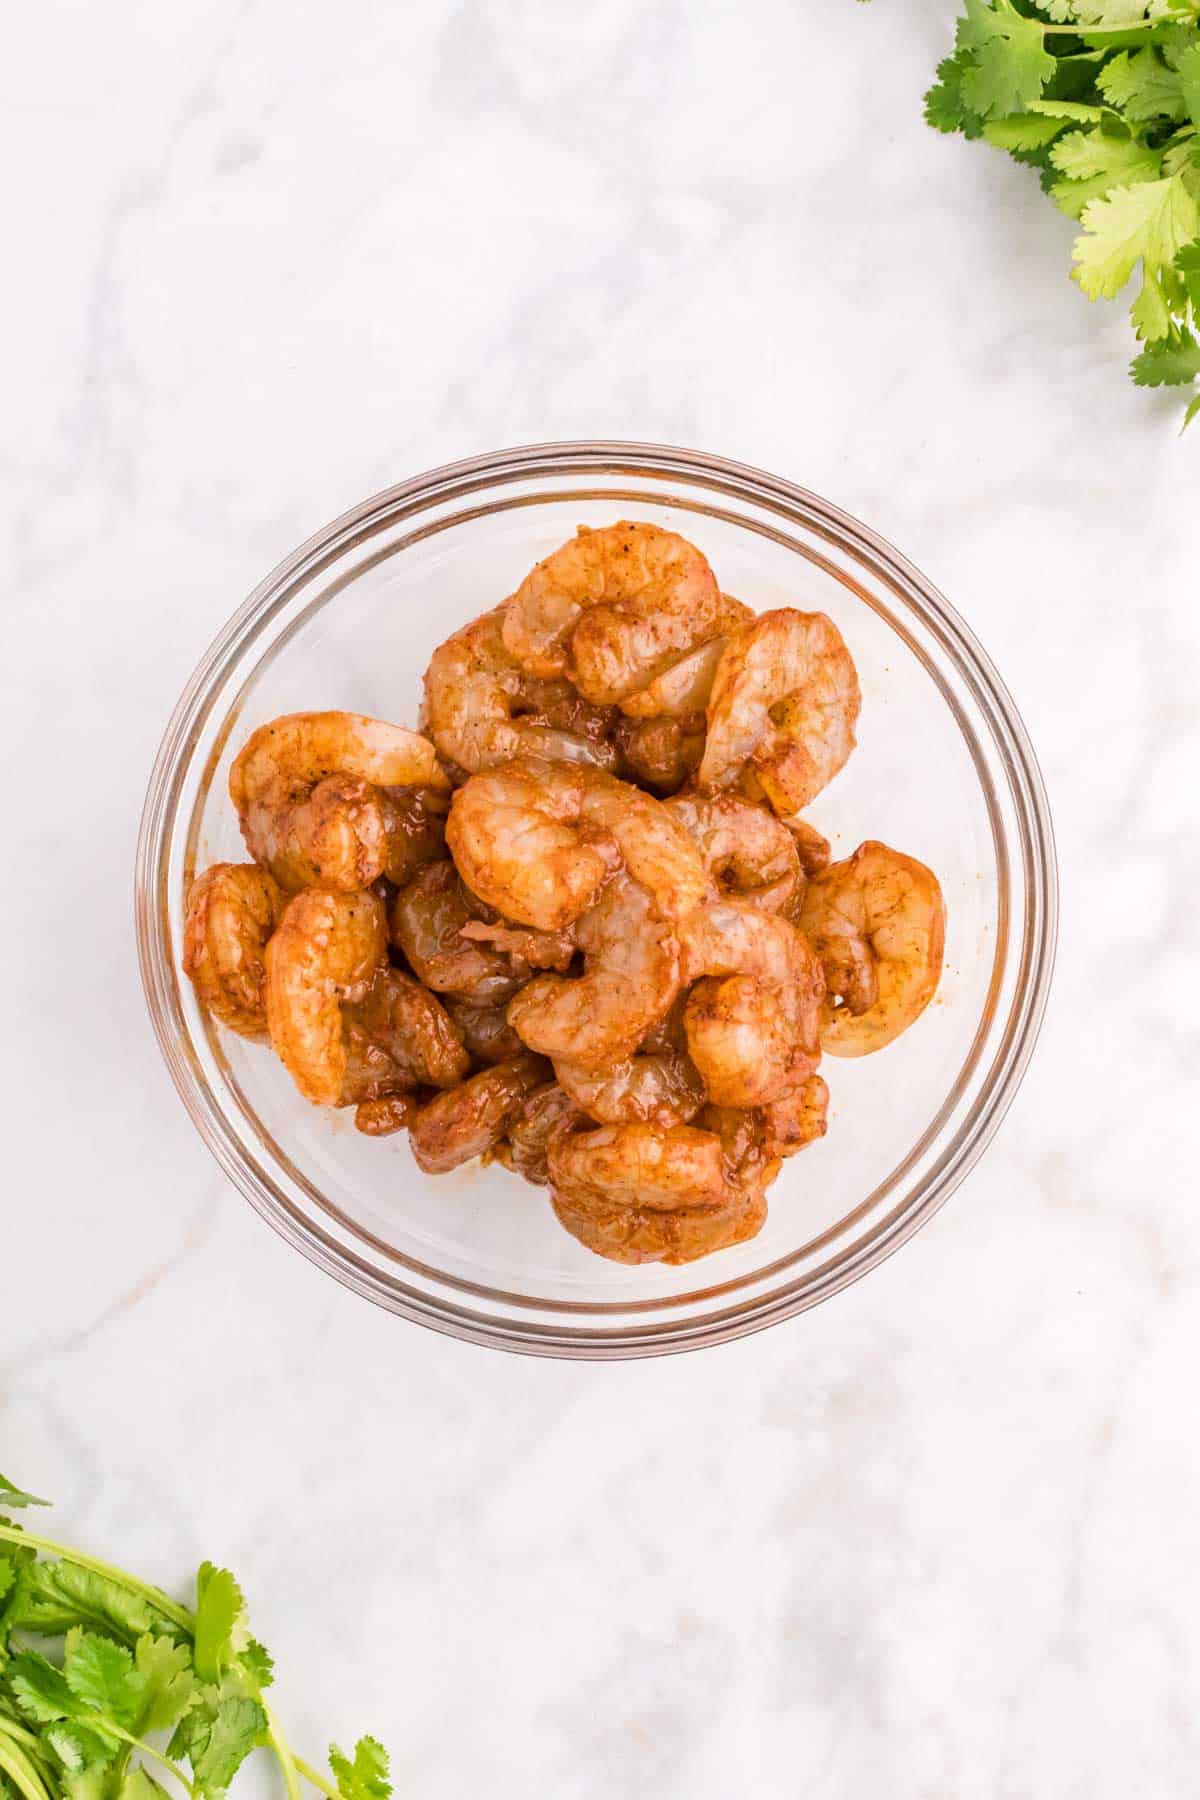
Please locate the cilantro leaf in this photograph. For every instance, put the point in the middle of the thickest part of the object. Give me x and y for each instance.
(1108, 15)
(1149, 223)
(15, 1496)
(220, 1622)
(1187, 266)
(1142, 87)
(166, 1685)
(1095, 163)
(1010, 62)
(945, 108)
(258, 1663)
(1023, 131)
(51, 1597)
(217, 1736)
(1188, 71)
(367, 1777)
(101, 1676)
(1173, 362)
(8, 1575)
(1150, 313)
(1084, 112)
(40, 1689)
(78, 1749)
(84, 1759)
(1191, 413)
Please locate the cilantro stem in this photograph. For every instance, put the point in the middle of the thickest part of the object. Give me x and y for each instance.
(19, 1732)
(137, 1743)
(178, 1615)
(279, 1745)
(318, 1780)
(21, 1771)
(1090, 31)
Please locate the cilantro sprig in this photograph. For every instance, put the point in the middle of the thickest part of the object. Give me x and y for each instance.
(1102, 99)
(109, 1689)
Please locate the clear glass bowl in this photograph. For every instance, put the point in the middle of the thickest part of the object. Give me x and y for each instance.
(943, 770)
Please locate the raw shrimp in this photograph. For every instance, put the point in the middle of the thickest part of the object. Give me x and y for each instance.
(631, 976)
(752, 1028)
(661, 1169)
(629, 1234)
(391, 1112)
(483, 708)
(660, 1087)
(546, 1113)
(414, 830)
(325, 952)
(811, 848)
(398, 1037)
(537, 840)
(472, 1118)
(232, 910)
(307, 792)
(528, 949)
(661, 753)
(426, 922)
(485, 1029)
(611, 609)
(750, 1158)
(783, 708)
(685, 687)
(878, 923)
(449, 939)
(639, 1193)
(798, 1117)
(749, 853)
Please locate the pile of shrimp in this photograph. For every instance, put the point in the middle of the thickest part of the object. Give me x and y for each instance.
(576, 923)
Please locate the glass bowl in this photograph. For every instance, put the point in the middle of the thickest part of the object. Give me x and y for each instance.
(944, 770)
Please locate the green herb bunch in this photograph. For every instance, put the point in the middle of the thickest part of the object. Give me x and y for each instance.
(1102, 98)
(97, 1668)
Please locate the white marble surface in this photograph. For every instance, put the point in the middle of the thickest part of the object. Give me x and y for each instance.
(938, 1538)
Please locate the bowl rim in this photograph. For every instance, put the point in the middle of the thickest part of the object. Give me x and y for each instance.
(814, 513)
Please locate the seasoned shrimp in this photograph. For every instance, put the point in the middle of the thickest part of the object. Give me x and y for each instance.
(232, 910)
(427, 922)
(798, 1117)
(750, 1157)
(472, 1118)
(811, 848)
(639, 1193)
(543, 1115)
(485, 1029)
(662, 1169)
(611, 609)
(630, 1234)
(661, 753)
(414, 830)
(307, 792)
(537, 840)
(878, 923)
(631, 976)
(684, 689)
(398, 1037)
(528, 949)
(391, 1112)
(783, 709)
(659, 1087)
(325, 952)
(483, 708)
(749, 853)
(752, 1027)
